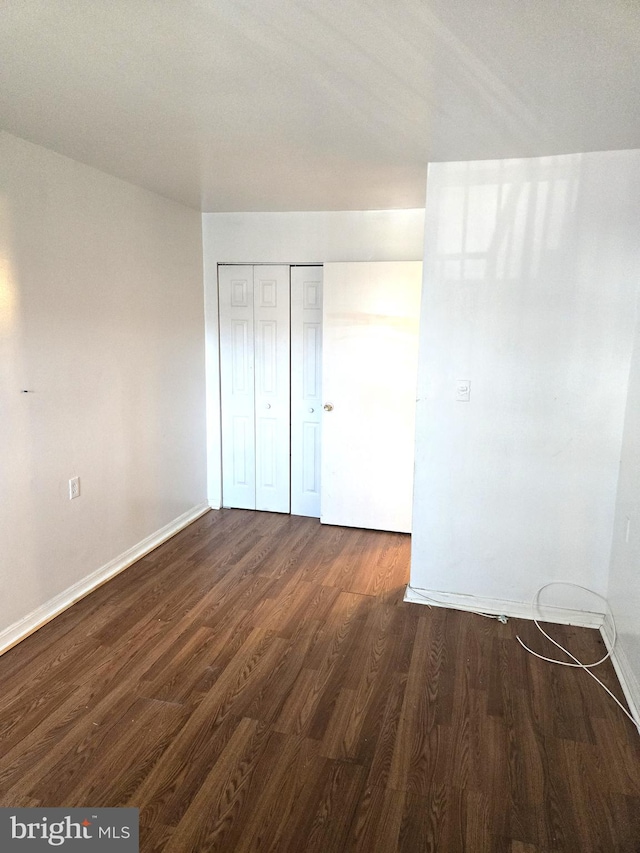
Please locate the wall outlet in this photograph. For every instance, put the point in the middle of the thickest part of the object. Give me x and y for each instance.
(74, 488)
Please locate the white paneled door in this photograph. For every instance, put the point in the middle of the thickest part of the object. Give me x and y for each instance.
(235, 288)
(255, 386)
(272, 386)
(306, 389)
(369, 377)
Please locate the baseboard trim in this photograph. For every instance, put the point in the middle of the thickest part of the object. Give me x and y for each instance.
(624, 671)
(499, 607)
(30, 623)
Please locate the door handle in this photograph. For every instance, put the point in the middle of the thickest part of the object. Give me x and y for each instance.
(267, 405)
(328, 407)
(311, 411)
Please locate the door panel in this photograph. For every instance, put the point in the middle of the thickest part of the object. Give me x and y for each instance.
(240, 357)
(272, 386)
(311, 464)
(306, 389)
(237, 386)
(369, 375)
(242, 472)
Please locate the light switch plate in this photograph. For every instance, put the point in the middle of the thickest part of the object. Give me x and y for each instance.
(463, 390)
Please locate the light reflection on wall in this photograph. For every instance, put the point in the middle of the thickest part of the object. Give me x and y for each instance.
(17, 465)
(499, 230)
(8, 287)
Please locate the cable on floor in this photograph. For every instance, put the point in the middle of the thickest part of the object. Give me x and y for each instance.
(577, 663)
(431, 601)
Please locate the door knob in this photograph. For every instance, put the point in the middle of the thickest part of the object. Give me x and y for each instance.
(267, 405)
(328, 407)
(311, 411)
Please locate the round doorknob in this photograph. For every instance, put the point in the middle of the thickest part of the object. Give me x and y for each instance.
(328, 407)
(311, 411)
(267, 405)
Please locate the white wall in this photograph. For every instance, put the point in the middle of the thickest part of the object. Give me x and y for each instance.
(624, 579)
(102, 320)
(306, 237)
(530, 277)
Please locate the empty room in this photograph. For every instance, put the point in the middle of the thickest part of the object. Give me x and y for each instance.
(320, 426)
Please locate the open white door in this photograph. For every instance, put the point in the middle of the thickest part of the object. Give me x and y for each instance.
(369, 375)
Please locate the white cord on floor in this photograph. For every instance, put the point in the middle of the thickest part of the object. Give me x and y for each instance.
(578, 664)
(430, 601)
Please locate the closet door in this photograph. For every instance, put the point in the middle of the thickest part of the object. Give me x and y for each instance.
(236, 299)
(306, 389)
(371, 315)
(272, 387)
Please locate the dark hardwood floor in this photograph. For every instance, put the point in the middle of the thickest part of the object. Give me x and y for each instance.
(257, 684)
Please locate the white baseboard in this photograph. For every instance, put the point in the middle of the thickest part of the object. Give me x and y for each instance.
(45, 613)
(499, 607)
(624, 671)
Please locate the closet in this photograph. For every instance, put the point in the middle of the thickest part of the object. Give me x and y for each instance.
(270, 373)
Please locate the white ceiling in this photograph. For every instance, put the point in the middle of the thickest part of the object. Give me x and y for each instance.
(228, 105)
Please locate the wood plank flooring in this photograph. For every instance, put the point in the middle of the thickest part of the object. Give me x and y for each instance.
(257, 684)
